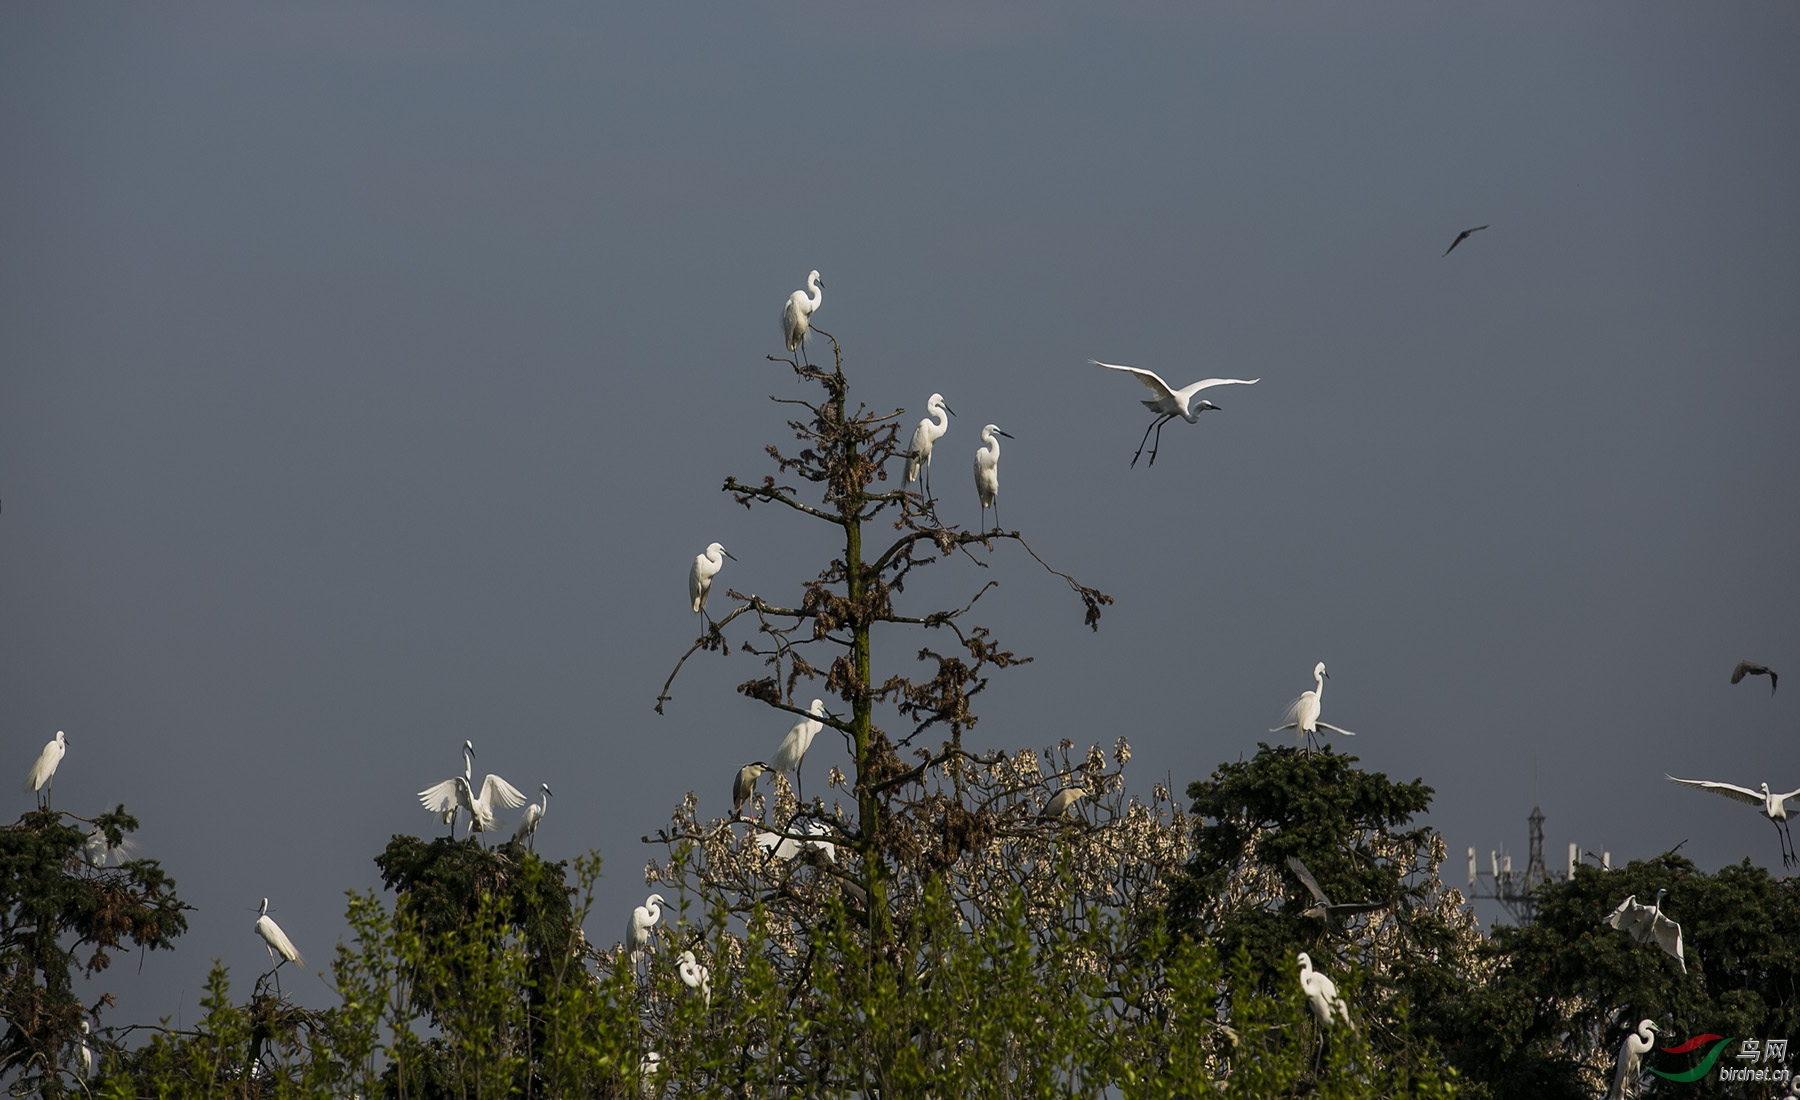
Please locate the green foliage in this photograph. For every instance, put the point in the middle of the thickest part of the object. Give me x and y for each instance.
(59, 914)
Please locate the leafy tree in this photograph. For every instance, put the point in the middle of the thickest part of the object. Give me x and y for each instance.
(63, 910)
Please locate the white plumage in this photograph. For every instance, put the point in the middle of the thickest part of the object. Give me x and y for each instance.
(1303, 713)
(700, 575)
(1773, 805)
(695, 975)
(275, 939)
(787, 847)
(1063, 802)
(637, 930)
(534, 813)
(1322, 994)
(455, 793)
(987, 474)
(925, 436)
(1631, 1064)
(1644, 923)
(796, 315)
(45, 769)
(799, 738)
(1169, 403)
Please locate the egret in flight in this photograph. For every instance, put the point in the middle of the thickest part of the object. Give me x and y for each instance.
(534, 813)
(1772, 806)
(1170, 403)
(1751, 668)
(1321, 993)
(1303, 713)
(796, 316)
(1324, 911)
(1630, 1067)
(700, 577)
(637, 930)
(925, 436)
(987, 474)
(456, 793)
(275, 939)
(44, 770)
(1644, 923)
(744, 785)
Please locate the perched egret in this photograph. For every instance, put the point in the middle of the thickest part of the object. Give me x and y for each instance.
(1170, 403)
(987, 474)
(1063, 802)
(700, 577)
(799, 738)
(796, 316)
(1325, 911)
(1460, 237)
(744, 785)
(275, 939)
(1751, 668)
(97, 852)
(1303, 713)
(649, 1066)
(534, 813)
(695, 975)
(44, 770)
(787, 847)
(1644, 923)
(1631, 1064)
(1321, 993)
(925, 436)
(643, 918)
(456, 792)
(449, 812)
(85, 1052)
(1772, 806)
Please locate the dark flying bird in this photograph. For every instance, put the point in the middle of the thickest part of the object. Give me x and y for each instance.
(1325, 911)
(1459, 239)
(1751, 668)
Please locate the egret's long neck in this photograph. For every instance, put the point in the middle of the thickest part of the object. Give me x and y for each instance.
(940, 420)
(813, 294)
(1319, 687)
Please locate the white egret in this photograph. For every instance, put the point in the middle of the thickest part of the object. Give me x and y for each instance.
(925, 436)
(1631, 1061)
(700, 576)
(449, 812)
(799, 738)
(1325, 911)
(787, 847)
(1772, 806)
(1460, 238)
(1170, 403)
(695, 975)
(456, 792)
(1644, 923)
(1303, 713)
(85, 1052)
(648, 1067)
(275, 939)
(97, 852)
(1322, 994)
(796, 316)
(987, 474)
(1063, 802)
(534, 813)
(744, 785)
(44, 770)
(1751, 668)
(637, 930)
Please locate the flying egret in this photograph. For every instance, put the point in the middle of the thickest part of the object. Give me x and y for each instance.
(1063, 802)
(275, 939)
(456, 792)
(1644, 923)
(637, 930)
(987, 474)
(700, 577)
(799, 738)
(1772, 806)
(1321, 993)
(796, 316)
(44, 770)
(97, 852)
(1751, 668)
(1631, 1054)
(1170, 403)
(1325, 911)
(695, 975)
(534, 813)
(449, 812)
(1460, 237)
(1303, 713)
(744, 785)
(925, 436)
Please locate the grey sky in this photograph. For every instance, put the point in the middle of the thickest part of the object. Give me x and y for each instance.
(370, 372)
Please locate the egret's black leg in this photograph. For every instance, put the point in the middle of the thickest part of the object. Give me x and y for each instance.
(1141, 442)
(1157, 446)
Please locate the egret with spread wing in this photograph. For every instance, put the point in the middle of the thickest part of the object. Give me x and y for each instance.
(1772, 805)
(1325, 911)
(1644, 923)
(1303, 713)
(456, 793)
(1170, 403)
